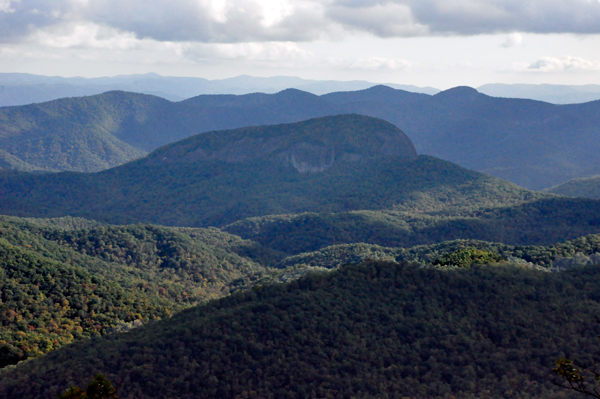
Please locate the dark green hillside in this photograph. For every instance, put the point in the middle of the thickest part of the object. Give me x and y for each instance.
(578, 252)
(9, 161)
(377, 330)
(331, 164)
(67, 279)
(81, 134)
(182, 265)
(539, 222)
(585, 187)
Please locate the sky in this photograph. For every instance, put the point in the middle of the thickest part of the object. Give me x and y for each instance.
(439, 43)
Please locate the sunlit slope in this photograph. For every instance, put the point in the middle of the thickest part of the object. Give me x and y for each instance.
(585, 187)
(69, 279)
(540, 222)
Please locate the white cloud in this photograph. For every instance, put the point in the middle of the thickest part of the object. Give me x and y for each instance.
(512, 40)
(380, 63)
(563, 64)
(261, 51)
(86, 35)
(95, 41)
(5, 6)
(370, 63)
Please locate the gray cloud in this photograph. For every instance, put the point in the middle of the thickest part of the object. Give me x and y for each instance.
(384, 20)
(567, 63)
(19, 18)
(232, 21)
(184, 20)
(468, 17)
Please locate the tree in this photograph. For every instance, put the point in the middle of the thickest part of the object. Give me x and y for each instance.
(98, 388)
(468, 256)
(573, 377)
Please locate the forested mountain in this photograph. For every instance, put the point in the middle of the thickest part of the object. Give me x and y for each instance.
(76, 133)
(539, 222)
(261, 215)
(98, 132)
(330, 164)
(582, 251)
(586, 187)
(533, 144)
(304, 186)
(371, 330)
(68, 279)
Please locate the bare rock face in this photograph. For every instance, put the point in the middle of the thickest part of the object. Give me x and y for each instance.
(307, 158)
(309, 147)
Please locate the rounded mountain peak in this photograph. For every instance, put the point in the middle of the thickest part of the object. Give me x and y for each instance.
(313, 145)
(461, 93)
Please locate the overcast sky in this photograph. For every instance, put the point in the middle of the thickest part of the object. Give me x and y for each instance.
(440, 43)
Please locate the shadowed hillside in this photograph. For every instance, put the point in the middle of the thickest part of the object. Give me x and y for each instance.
(372, 330)
(540, 222)
(330, 164)
(531, 143)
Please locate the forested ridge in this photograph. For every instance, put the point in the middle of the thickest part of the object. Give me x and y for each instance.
(149, 272)
(540, 222)
(63, 284)
(584, 187)
(331, 164)
(531, 143)
(371, 330)
(581, 251)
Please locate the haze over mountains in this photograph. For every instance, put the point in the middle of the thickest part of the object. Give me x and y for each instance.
(531, 143)
(22, 89)
(555, 94)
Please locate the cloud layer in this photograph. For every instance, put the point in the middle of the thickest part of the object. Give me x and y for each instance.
(563, 64)
(244, 21)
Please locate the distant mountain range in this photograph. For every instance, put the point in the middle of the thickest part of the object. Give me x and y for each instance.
(534, 144)
(22, 89)
(555, 94)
